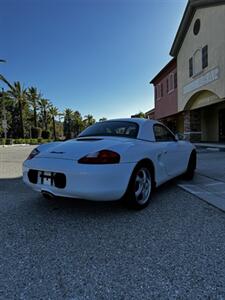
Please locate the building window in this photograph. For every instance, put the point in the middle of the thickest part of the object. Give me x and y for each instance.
(175, 80)
(159, 91)
(197, 62)
(197, 26)
(171, 82)
(167, 85)
(191, 67)
(205, 57)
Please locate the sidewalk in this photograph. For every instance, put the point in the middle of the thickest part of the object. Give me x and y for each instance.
(209, 181)
(207, 189)
(210, 146)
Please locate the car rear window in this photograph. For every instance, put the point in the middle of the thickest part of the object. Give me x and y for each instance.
(112, 128)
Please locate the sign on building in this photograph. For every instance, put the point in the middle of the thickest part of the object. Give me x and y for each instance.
(201, 81)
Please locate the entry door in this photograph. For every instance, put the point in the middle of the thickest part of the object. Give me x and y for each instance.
(222, 125)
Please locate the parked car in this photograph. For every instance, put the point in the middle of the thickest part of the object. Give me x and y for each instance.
(111, 160)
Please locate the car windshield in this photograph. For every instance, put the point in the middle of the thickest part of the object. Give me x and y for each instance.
(112, 128)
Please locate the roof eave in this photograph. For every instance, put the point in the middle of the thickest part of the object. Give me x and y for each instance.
(167, 66)
(189, 12)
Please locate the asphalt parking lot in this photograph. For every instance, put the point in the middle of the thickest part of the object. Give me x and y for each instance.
(73, 249)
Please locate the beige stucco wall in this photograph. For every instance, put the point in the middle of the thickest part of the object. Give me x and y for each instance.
(211, 33)
(201, 99)
(210, 123)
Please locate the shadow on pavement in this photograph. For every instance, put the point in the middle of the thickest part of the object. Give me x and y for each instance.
(14, 191)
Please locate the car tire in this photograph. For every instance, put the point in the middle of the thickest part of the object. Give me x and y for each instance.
(190, 172)
(140, 187)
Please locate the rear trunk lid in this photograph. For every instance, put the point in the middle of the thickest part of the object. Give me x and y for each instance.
(77, 148)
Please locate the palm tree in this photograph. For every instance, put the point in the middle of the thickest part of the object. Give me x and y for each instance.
(53, 111)
(78, 124)
(102, 119)
(44, 105)
(19, 95)
(2, 78)
(89, 120)
(33, 98)
(68, 123)
(139, 115)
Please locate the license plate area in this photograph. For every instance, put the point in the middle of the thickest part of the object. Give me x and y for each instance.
(46, 178)
(52, 179)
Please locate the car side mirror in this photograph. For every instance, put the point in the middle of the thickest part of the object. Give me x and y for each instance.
(179, 137)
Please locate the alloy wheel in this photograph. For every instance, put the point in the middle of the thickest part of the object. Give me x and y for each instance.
(143, 186)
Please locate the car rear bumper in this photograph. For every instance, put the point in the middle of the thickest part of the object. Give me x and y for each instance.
(93, 182)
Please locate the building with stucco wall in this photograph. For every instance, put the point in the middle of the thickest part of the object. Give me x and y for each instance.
(199, 50)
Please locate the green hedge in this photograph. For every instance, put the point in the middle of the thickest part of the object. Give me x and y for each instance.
(24, 141)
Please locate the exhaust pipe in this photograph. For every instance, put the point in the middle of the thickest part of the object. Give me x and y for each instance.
(47, 195)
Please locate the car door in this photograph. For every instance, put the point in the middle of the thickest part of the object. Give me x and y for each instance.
(170, 150)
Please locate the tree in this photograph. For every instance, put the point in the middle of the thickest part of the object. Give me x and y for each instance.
(3, 79)
(33, 97)
(139, 115)
(44, 105)
(68, 122)
(19, 95)
(53, 111)
(102, 119)
(78, 124)
(89, 120)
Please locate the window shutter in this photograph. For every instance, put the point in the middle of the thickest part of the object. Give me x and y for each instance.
(204, 57)
(161, 89)
(175, 80)
(171, 82)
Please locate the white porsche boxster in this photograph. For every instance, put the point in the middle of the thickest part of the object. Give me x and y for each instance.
(111, 160)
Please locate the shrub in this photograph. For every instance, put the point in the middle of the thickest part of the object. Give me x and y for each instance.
(33, 142)
(9, 141)
(45, 134)
(2, 141)
(35, 132)
(22, 141)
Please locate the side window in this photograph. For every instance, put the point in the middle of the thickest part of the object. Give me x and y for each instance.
(162, 134)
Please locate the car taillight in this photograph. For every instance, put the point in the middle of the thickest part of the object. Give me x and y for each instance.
(33, 153)
(101, 157)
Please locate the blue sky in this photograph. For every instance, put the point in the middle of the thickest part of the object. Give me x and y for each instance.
(95, 56)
